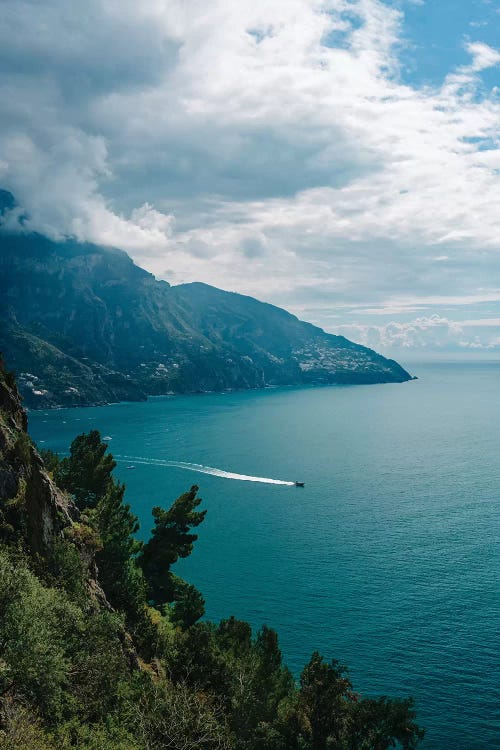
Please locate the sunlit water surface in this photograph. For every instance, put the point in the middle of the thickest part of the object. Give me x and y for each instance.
(387, 559)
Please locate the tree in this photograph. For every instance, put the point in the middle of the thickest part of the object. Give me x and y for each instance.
(170, 539)
(86, 473)
(50, 459)
(189, 604)
(324, 692)
(21, 728)
(235, 637)
(381, 723)
(197, 661)
(119, 575)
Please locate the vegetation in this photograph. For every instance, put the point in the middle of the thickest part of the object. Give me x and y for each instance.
(146, 673)
(169, 541)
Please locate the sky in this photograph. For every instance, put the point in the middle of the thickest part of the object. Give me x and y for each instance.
(339, 158)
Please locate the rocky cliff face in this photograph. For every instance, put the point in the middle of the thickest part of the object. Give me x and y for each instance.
(33, 510)
(82, 324)
(30, 503)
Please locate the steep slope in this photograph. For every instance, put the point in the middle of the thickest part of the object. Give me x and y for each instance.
(83, 324)
(30, 502)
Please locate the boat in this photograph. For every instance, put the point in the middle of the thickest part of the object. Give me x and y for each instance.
(107, 437)
(299, 484)
(130, 467)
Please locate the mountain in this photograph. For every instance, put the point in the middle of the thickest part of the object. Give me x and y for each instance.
(82, 324)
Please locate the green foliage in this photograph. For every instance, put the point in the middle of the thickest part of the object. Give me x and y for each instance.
(198, 660)
(189, 605)
(104, 736)
(86, 473)
(324, 692)
(176, 716)
(13, 521)
(20, 728)
(380, 723)
(170, 540)
(17, 502)
(65, 569)
(36, 625)
(58, 656)
(259, 683)
(119, 575)
(83, 535)
(98, 666)
(153, 633)
(50, 459)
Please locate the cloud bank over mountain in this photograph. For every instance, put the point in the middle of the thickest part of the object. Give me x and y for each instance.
(278, 149)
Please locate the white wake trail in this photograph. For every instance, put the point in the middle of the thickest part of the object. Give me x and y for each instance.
(201, 469)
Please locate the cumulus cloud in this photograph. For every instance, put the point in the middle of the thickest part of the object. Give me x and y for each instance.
(434, 332)
(270, 148)
(483, 56)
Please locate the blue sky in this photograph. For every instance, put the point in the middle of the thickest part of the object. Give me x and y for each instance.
(339, 158)
(436, 31)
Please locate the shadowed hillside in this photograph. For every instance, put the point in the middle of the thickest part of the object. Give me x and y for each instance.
(82, 324)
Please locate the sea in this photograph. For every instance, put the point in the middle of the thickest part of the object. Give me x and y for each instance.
(387, 560)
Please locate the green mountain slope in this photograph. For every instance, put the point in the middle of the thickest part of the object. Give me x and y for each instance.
(82, 324)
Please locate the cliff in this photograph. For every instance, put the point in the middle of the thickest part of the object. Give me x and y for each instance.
(31, 506)
(34, 512)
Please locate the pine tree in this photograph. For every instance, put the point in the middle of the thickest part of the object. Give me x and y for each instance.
(119, 575)
(189, 604)
(86, 473)
(170, 539)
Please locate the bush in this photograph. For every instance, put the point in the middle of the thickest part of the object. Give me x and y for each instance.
(174, 716)
(21, 728)
(36, 625)
(65, 569)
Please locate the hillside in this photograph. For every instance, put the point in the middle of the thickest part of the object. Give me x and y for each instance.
(82, 324)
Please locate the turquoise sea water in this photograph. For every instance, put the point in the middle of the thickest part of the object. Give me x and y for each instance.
(387, 559)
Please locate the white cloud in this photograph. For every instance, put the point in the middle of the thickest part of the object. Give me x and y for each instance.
(298, 164)
(483, 56)
(428, 333)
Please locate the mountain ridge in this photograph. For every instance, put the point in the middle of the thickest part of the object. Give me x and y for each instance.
(83, 324)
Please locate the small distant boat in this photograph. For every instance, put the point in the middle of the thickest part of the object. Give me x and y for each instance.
(299, 484)
(131, 467)
(107, 437)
